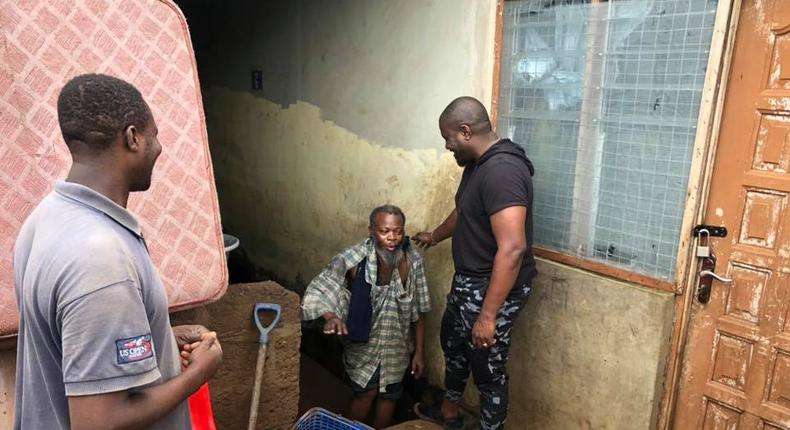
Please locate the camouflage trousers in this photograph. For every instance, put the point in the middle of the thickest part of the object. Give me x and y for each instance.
(488, 366)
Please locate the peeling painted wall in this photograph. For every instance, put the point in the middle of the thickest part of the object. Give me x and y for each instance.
(347, 120)
(296, 188)
(380, 69)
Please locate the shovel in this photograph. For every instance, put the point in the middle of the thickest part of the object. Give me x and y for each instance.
(262, 341)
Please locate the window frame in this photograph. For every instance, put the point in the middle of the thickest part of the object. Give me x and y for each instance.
(691, 211)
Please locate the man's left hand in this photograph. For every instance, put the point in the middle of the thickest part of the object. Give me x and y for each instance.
(483, 333)
(186, 350)
(188, 334)
(417, 365)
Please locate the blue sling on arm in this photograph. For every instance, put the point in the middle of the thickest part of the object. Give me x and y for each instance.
(360, 309)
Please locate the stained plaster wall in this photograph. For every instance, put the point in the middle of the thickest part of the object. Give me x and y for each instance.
(346, 120)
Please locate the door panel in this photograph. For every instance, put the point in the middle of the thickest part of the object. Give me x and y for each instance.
(736, 370)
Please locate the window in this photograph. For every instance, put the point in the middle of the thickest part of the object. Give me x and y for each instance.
(604, 96)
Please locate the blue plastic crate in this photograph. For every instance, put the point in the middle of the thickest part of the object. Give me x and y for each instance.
(321, 419)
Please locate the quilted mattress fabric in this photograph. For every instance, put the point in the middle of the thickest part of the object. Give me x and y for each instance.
(43, 43)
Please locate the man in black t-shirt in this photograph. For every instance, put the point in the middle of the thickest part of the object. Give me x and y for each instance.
(491, 227)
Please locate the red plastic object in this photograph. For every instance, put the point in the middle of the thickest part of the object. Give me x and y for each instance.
(200, 412)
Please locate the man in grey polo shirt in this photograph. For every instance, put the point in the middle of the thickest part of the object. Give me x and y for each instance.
(95, 347)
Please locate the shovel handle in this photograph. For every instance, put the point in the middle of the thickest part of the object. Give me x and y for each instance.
(271, 307)
(256, 388)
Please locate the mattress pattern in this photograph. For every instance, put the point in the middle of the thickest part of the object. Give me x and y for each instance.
(146, 42)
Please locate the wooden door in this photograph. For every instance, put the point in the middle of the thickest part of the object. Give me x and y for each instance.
(736, 366)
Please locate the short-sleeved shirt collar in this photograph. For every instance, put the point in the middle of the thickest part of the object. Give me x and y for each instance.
(89, 197)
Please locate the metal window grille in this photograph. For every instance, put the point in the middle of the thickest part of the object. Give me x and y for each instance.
(604, 96)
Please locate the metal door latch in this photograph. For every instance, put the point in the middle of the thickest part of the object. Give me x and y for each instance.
(711, 230)
(706, 274)
(719, 278)
(706, 277)
(704, 282)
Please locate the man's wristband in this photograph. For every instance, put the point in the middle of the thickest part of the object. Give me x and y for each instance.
(433, 241)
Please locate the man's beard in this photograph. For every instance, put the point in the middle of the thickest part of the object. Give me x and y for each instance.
(460, 160)
(389, 258)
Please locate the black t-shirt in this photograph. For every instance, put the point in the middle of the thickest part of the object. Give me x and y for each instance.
(501, 178)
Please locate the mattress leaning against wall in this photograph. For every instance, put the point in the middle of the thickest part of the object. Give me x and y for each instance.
(146, 42)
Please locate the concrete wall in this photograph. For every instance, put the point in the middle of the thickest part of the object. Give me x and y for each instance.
(347, 120)
(297, 180)
(589, 353)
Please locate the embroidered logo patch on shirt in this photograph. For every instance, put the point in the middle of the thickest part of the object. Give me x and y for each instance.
(134, 349)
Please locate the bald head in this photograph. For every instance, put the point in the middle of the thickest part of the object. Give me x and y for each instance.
(466, 110)
(466, 129)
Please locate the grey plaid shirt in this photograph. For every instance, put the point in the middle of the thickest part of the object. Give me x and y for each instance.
(395, 307)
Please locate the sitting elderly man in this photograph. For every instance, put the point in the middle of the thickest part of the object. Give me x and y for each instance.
(371, 294)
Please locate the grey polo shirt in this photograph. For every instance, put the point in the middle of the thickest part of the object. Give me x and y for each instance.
(93, 313)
